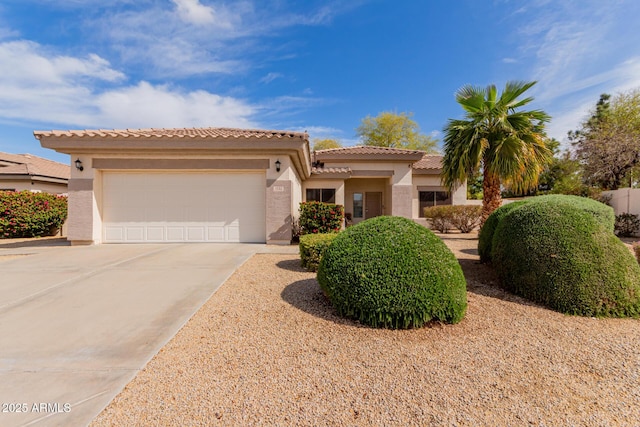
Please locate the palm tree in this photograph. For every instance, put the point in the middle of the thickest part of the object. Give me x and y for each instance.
(508, 145)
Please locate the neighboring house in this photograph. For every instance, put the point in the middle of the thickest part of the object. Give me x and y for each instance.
(19, 172)
(230, 185)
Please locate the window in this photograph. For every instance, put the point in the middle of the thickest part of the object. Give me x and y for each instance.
(432, 198)
(357, 205)
(325, 195)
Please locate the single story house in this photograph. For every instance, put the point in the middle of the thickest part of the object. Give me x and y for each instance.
(230, 185)
(20, 172)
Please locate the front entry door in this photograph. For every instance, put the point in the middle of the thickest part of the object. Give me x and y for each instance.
(372, 204)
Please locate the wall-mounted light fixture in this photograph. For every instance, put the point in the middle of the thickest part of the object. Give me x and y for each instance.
(278, 165)
(79, 166)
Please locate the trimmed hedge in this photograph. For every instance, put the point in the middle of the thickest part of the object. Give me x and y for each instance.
(319, 217)
(559, 255)
(27, 214)
(601, 212)
(312, 246)
(391, 272)
(485, 237)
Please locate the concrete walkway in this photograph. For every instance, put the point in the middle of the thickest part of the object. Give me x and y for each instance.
(78, 323)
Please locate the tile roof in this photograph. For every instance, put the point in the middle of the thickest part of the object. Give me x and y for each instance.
(28, 164)
(173, 133)
(322, 170)
(429, 161)
(365, 150)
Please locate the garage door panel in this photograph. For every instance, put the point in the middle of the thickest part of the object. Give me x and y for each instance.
(134, 234)
(183, 207)
(155, 234)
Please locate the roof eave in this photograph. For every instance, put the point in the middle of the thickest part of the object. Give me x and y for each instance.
(413, 157)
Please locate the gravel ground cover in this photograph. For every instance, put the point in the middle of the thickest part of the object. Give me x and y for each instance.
(268, 349)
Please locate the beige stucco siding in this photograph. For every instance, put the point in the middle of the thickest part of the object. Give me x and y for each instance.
(28, 185)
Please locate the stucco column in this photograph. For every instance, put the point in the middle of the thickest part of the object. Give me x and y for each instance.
(401, 201)
(279, 220)
(80, 217)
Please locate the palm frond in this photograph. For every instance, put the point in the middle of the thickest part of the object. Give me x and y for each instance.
(508, 142)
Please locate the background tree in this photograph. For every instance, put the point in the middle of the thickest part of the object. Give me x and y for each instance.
(608, 143)
(325, 144)
(509, 145)
(395, 131)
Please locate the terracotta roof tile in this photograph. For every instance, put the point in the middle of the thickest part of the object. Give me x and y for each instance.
(429, 161)
(366, 150)
(29, 164)
(368, 153)
(173, 133)
(323, 170)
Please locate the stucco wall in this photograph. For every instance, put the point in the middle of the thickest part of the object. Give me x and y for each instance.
(28, 185)
(283, 189)
(625, 200)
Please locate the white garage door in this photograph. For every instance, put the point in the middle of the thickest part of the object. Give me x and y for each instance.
(183, 207)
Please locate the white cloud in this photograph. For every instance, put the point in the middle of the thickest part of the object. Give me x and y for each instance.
(70, 92)
(194, 12)
(578, 51)
(25, 60)
(146, 105)
(230, 37)
(271, 77)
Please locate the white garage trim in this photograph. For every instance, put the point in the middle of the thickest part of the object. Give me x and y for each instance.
(169, 206)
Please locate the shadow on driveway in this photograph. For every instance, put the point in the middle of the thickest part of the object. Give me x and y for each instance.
(35, 242)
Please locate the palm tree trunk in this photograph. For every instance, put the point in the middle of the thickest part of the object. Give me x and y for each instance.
(491, 198)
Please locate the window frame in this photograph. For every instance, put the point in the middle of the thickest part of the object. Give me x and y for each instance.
(324, 195)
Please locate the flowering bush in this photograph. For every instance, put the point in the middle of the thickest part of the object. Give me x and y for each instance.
(27, 214)
(318, 217)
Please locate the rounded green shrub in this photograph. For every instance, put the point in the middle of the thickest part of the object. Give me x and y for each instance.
(485, 237)
(601, 212)
(391, 272)
(312, 246)
(561, 256)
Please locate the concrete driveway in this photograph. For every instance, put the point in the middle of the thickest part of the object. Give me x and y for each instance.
(78, 323)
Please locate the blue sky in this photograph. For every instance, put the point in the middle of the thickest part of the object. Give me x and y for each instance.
(319, 66)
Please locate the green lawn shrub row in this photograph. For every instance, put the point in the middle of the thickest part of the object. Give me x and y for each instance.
(566, 257)
(27, 214)
(319, 217)
(391, 272)
(462, 217)
(312, 246)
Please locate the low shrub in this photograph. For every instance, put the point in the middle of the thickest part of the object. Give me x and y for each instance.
(562, 256)
(466, 217)
(27, 214)
(627, 225)
(391, 272)
(318, 217)
(312, 246)
(439, 218)
(485, 237)
(462, 217)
